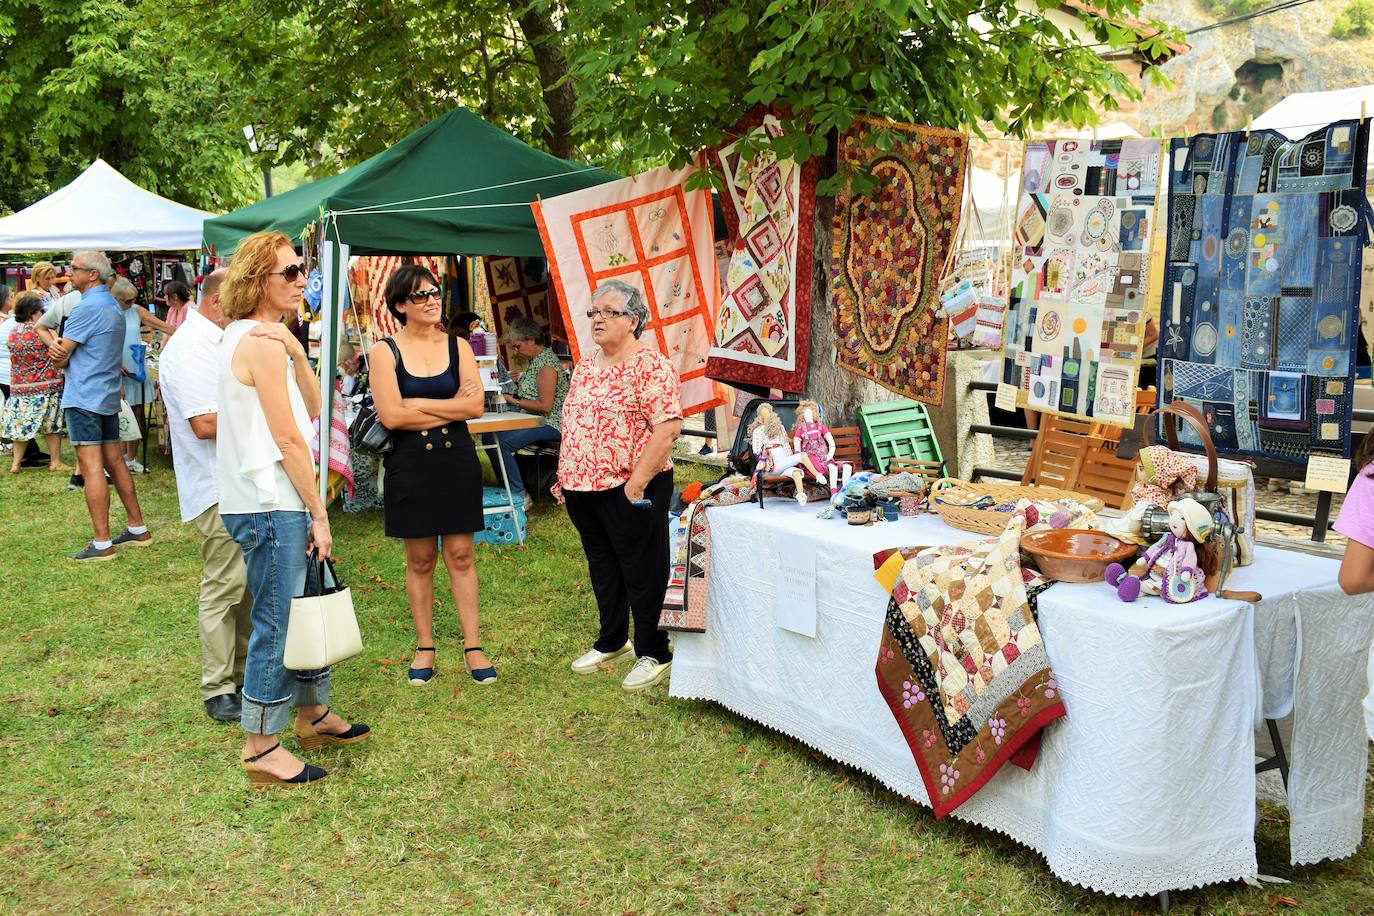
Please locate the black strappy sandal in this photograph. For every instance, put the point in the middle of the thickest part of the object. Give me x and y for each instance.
(485, 675)
(260, 779)
(313, 740)
(421, 676)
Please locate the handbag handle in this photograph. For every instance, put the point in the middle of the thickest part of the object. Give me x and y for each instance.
(1195, 419)
(321, 565)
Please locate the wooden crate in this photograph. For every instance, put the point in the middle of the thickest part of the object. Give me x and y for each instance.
(898, 429)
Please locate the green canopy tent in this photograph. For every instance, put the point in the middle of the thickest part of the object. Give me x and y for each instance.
(458, 185)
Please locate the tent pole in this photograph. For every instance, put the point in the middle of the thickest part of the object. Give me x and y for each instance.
(334, 271)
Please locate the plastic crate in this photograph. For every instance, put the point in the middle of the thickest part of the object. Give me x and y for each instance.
(506, 527)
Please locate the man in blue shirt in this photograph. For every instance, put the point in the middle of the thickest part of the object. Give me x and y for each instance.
(91, 349)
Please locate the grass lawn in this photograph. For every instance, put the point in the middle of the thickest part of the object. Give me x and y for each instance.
(544, 793)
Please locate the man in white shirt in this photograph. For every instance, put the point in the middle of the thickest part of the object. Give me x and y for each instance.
(189, 375)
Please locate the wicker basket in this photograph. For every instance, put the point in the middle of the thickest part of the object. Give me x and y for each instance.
(988, 521)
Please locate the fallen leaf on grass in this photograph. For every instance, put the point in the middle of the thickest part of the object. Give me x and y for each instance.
(1281, 900)
(844, 782)
(963, 853)
(818, 873)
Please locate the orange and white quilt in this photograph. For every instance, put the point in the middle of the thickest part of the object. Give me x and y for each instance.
(650, 232)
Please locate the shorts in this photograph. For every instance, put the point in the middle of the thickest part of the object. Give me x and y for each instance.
(87, 428)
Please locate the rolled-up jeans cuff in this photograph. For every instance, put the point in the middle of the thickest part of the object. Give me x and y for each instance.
(311, 689)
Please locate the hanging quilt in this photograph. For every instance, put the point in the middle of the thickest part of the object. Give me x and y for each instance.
(519, 288)
(1262, 295)
(684, 604)
(367, 279)
(763, 328)
(961, 664)
(1081, 258)
(651, 232)
(889, 250)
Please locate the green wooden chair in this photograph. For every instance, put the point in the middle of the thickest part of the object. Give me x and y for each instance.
(898, 429)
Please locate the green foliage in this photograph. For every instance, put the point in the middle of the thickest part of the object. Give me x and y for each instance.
(1355, 21)
(673, 77)
(100, 78)
(1235, 7)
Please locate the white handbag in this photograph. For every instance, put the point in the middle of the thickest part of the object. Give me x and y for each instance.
(322, 630)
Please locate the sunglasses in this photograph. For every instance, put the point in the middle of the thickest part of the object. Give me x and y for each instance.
(290, 273)
(421, 296)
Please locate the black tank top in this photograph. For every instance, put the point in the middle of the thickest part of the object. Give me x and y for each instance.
(441, 386)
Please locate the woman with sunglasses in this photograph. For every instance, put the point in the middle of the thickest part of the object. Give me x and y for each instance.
(425, 387)
(270, 503)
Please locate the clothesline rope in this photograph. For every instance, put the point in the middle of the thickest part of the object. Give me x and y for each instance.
(494, 187)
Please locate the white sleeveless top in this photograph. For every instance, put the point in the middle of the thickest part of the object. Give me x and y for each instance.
(248, 463)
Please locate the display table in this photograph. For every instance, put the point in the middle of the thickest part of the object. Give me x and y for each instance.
(1148, 784)
(502, 422)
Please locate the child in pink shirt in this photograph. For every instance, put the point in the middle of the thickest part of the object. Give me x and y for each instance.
(1356, 522)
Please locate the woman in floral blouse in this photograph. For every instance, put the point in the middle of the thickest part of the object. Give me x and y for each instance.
(621, 417)
(35, 403)
(542, 389)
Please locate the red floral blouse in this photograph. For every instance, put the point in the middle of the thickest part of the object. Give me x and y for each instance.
(609, 415)
(31, 370)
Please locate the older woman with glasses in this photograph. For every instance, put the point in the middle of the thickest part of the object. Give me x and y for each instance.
(621, 417)
(426, 388)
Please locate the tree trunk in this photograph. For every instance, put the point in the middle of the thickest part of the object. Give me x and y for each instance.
(838, 391)
(546, 43)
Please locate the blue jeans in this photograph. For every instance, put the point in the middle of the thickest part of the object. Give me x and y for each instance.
(510, 442)
(274, 550)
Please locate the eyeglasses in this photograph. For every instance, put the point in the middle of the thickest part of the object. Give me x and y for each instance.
(76, 268)
(289, 273)
(594, 314)
(421, 296)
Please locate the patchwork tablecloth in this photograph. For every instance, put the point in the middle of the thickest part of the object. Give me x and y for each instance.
(1148, 784)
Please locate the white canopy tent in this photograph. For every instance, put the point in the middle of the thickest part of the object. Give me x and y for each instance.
(1302, 112)
(102, 210)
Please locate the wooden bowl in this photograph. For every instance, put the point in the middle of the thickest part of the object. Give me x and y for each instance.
(1075, 555)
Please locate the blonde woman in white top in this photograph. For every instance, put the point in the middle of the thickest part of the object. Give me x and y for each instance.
(269, 501)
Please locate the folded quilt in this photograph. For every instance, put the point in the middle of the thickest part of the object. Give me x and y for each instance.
(684, 606)
(961, 664)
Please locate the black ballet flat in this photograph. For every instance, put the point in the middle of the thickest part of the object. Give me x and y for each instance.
(480, 675)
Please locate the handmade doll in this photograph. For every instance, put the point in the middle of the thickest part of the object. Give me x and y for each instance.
(1169, 568)
(776, 456)
(812, 437)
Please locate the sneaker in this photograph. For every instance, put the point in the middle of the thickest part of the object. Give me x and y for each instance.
(647, 672)
(89, 552)
(593, 660)
(134, 466)
(129, 539)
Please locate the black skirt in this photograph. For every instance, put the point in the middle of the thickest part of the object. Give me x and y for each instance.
(432, 483)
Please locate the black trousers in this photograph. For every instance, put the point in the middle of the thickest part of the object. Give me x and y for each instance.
(627, 559)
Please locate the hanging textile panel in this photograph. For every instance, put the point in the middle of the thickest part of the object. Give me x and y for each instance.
(519, 288)
(763, 328)
(890, 246)
(1261, 301)
(650, 232)
(367, 279)
(962, 665)
(1081, 258)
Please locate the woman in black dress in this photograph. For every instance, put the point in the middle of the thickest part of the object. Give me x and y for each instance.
(425, 387)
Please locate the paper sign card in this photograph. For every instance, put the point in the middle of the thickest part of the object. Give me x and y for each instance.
(1326, 473)
(1006, 397)
(795, 586)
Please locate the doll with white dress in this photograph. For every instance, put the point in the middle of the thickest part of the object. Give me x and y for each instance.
(812, 437)
(776, 455)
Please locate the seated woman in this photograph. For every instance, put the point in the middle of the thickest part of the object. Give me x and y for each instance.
(425, 388)
(542, 388)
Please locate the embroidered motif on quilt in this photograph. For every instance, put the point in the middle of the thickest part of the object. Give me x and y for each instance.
(890, 246)
(961, 664)
(763, 326)
(1076, 325)
(1264, 283)
(684, 607)
(650, 232)
(519, 288)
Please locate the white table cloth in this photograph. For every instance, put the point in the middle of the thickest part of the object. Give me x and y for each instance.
(1148, 783)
